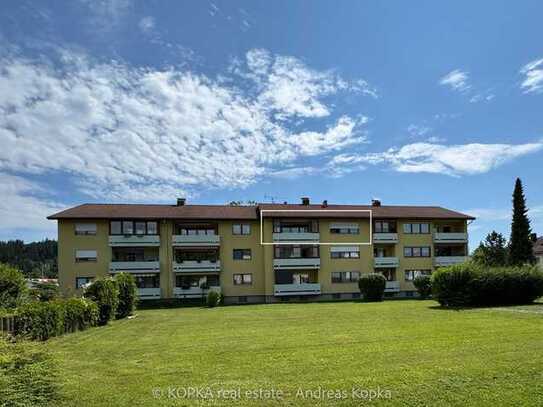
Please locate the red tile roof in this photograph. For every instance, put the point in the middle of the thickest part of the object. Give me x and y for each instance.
(135, 211)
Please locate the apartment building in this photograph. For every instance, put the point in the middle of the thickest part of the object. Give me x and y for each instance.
(262, 253)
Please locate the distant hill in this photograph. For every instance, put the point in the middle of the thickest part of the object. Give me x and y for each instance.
(36, 259)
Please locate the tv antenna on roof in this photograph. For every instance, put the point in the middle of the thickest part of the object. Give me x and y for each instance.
(273, 199)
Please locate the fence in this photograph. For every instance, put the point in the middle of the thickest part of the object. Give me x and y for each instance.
(7, 324)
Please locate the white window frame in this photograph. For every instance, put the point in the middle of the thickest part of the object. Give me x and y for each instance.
(83, 256)
(85, 229)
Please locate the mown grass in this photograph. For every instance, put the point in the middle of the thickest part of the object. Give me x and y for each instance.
(422, 354)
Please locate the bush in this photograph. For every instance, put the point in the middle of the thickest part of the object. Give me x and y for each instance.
(45, 291)
(213, 299)
(423, 285)
(40, 320)
(28, 376)
(372, 286)
(105, 293)
(128, 295)
(12, 287)
(472, 285)
(79, 314)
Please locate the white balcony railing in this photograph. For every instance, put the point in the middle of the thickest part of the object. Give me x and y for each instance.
(385, 262)
(385, 238)
(450, 237)
(196, 240)
(297, 289)
(194, 292)
(134, 240)
(189, 266)
(134, 267)
(392, 287)
(296, 237)
(449, 260)
(297, 263)
(148, 293)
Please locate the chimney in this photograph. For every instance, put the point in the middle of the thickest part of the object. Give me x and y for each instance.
(375, 202)
(305, 201)
(181, 201)
(325, 203)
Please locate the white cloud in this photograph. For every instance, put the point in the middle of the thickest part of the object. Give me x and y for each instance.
(416, 130)
(143, 134)
(20, 209)
(533, 72)
(457, 80)
(105, 16)
(147, 24)
(288, 88)
(466, 159)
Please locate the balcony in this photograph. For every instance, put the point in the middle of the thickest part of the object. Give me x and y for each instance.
(296, 289)
(134, 267)
(450, 237)
(392, 287)
(134, 240)
(148, 293)
(301, 237)
(195, 266)
(194, 292)
(449, 260)
(297, 263)
(386, 262)
(385, 238)
(196, 240)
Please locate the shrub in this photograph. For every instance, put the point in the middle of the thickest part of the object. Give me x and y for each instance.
(128, 295)
(12, 286)
(28, 376)
(45, 291)
(79, 314)
(372, 286)
(40, 320)
(105, 293)
(213, 299)
(423, 285)
(471, 285)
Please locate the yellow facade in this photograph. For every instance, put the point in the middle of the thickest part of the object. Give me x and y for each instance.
(261, 263)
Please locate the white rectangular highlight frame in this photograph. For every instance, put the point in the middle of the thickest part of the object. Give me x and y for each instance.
(370, 243)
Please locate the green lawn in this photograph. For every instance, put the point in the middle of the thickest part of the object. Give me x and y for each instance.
(422, 354)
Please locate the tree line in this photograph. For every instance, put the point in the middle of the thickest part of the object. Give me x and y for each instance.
(496, 251)
(36, 259)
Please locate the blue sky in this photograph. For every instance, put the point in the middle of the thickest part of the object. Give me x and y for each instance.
(430, 103)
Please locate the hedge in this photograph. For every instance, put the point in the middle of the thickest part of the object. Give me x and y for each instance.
(471, 285)
(79, 314)
(213, 299)
(423, 285)
(105, 293)
(128, 295)
(372, 286)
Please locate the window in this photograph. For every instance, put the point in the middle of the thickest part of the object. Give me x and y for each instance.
(129, 254)
(416, 228)
(385, 226)
(342, 252)
(152, 228)
(115, 228)
(345, 228)
(241, 229)
(147, 280)
(345, 276)
(242, 254)
(140, 228)
(289, 252)
(416, 251)
(85, 228)
(82, 256)
(211, 255)
(410, 275)
(81, 282)
(292, 226)
(128, 227)
(243, 279)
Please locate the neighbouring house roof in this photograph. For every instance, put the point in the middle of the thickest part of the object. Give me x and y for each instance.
(538, 247)
(136, 211)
